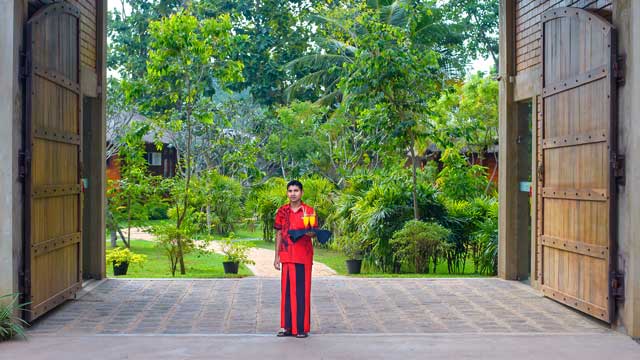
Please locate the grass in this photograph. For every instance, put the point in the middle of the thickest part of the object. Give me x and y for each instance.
(336, 261)
(210, 265)
(198, 265)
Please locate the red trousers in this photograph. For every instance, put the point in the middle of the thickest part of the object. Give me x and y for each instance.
(295, 304)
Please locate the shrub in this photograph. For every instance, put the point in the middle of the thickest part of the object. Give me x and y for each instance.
(376, 205)
(419, 243)
(117, 256)
(319, 193)
(486, 240)
(10, 324)
(265, 200)
(158, 211)
(351, 245)
(461, 220)
(236, 251)
(458, 180)
(219, 200)
(173, 240)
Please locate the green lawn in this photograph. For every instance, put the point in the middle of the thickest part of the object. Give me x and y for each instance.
(336, 261)
(198, 265)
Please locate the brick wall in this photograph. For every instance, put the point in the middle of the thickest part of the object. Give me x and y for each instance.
(528, 25)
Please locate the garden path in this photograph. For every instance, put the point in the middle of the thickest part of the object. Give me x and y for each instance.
(263, 257)
(264, 262)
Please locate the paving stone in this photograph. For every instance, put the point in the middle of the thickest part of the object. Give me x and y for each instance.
(339, 305)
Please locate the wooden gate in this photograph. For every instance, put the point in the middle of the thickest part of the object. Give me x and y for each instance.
(577, 236)
(52, 158)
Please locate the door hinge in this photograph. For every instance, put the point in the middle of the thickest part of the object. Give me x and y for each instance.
(22, 165)
(617, 286)
(540, 171)
(617, 163)
(618, 69)
(23, 65)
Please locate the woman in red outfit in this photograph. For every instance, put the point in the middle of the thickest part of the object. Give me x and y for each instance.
(295, 260)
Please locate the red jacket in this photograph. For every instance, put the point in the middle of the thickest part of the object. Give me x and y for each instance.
(301, 251)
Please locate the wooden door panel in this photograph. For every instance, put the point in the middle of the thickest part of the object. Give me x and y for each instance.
(53, 198)
(578, 140)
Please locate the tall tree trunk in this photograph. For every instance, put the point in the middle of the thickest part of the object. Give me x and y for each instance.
(114, 239)
(414, 175)
(186, 194)
(208, 218)
(128, 242)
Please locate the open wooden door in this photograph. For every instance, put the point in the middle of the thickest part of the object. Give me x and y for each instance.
(52, 158)
(579, 134)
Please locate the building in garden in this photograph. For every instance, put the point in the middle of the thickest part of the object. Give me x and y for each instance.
(569, 89)
(161, 156)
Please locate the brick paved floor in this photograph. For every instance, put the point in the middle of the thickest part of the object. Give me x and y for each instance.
(339, 305)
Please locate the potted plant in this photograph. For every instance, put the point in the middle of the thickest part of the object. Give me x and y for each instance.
(121, 258)
(236, 253)
(351, 246)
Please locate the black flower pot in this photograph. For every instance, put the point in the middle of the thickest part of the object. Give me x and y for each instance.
(120, 269)
(231, 267)
(353, 266)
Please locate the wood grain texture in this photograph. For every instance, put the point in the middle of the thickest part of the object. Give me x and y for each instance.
(576, 196)
(54, 107)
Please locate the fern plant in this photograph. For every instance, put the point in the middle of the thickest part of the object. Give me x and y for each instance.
(10, 324)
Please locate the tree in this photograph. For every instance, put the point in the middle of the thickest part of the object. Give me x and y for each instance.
(392, 79)
(120, 114)
(130, 195)
(185, 56)
(338, 39)
(479, 21)
(275, 33)
(293, 147)
(467, 116)
(128, 33)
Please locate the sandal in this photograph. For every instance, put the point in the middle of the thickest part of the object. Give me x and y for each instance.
(283, 333)
(302, 335)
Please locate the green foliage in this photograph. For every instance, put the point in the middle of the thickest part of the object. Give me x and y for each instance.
(11, 324)
(174, 241)
(319, 193)
(370, 85)
(236, 251)
(265, 200)
(219, 199)
(158, 211)
(294, 147)
(118, 256)
(478, 20)
(458, 180)
(473, 224)
(128, 33)
(275, 32)
(186, 57)
(352, 245)
(200, 264)
(467, 116)
(419, 244)
(132, 196)
(485, 240)
(377, 205)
